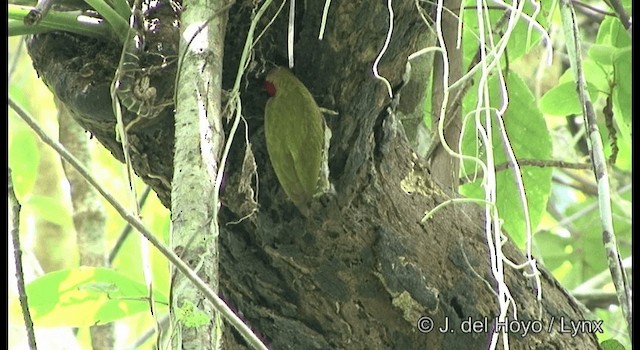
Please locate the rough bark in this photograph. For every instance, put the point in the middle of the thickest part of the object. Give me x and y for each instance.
(199, 140)
(362, 270)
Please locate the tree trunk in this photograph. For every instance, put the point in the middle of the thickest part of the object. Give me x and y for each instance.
(362, 270)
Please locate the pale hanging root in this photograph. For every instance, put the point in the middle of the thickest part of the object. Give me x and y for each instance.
(383, 50)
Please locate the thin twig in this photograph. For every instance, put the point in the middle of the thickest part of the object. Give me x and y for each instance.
(127, 229)
(582, 186)
(17, 252)
(530, 162)
(16, 58)
(574, 50)
(163, 322)
(592, 8)
(623, 16)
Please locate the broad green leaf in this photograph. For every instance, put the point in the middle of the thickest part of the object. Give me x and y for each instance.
(602, 54)
(563, 99)
(523, 123)
(611, 32)
(624, 158)
(622, 70)
(523, 37)
(24, 159)
(619, 36)
(86, 296)
(613, 47)
(622, 101)
(622, 87)
(613, 322)
(604, 32)
(128, 259)
(596, 75)
(552, 249)
(50, 209)
(596, 83)
(622, 117)
(611, 344)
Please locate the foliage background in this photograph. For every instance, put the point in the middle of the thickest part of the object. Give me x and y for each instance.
(43, 192)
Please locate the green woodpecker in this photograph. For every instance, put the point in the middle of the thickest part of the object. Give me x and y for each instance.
(297, 138)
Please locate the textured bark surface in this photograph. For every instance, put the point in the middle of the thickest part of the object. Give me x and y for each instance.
(362, 270)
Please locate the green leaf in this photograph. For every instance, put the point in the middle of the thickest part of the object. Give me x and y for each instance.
(563, 99)
(624, 159)
(523, 122)
(612, 344)
(24, 159)
(523, 37)
(619, 36)
(552, 249)
(50, 209)
(590, 245)
(596, 74)
(622, 101)
(622, 70)
(602, 54)
(86, 296)
(612, 33)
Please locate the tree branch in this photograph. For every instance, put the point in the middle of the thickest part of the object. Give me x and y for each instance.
(14, 210)
(623, 16)
(199, 140)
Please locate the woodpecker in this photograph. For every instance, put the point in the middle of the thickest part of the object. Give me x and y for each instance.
(296, 136)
